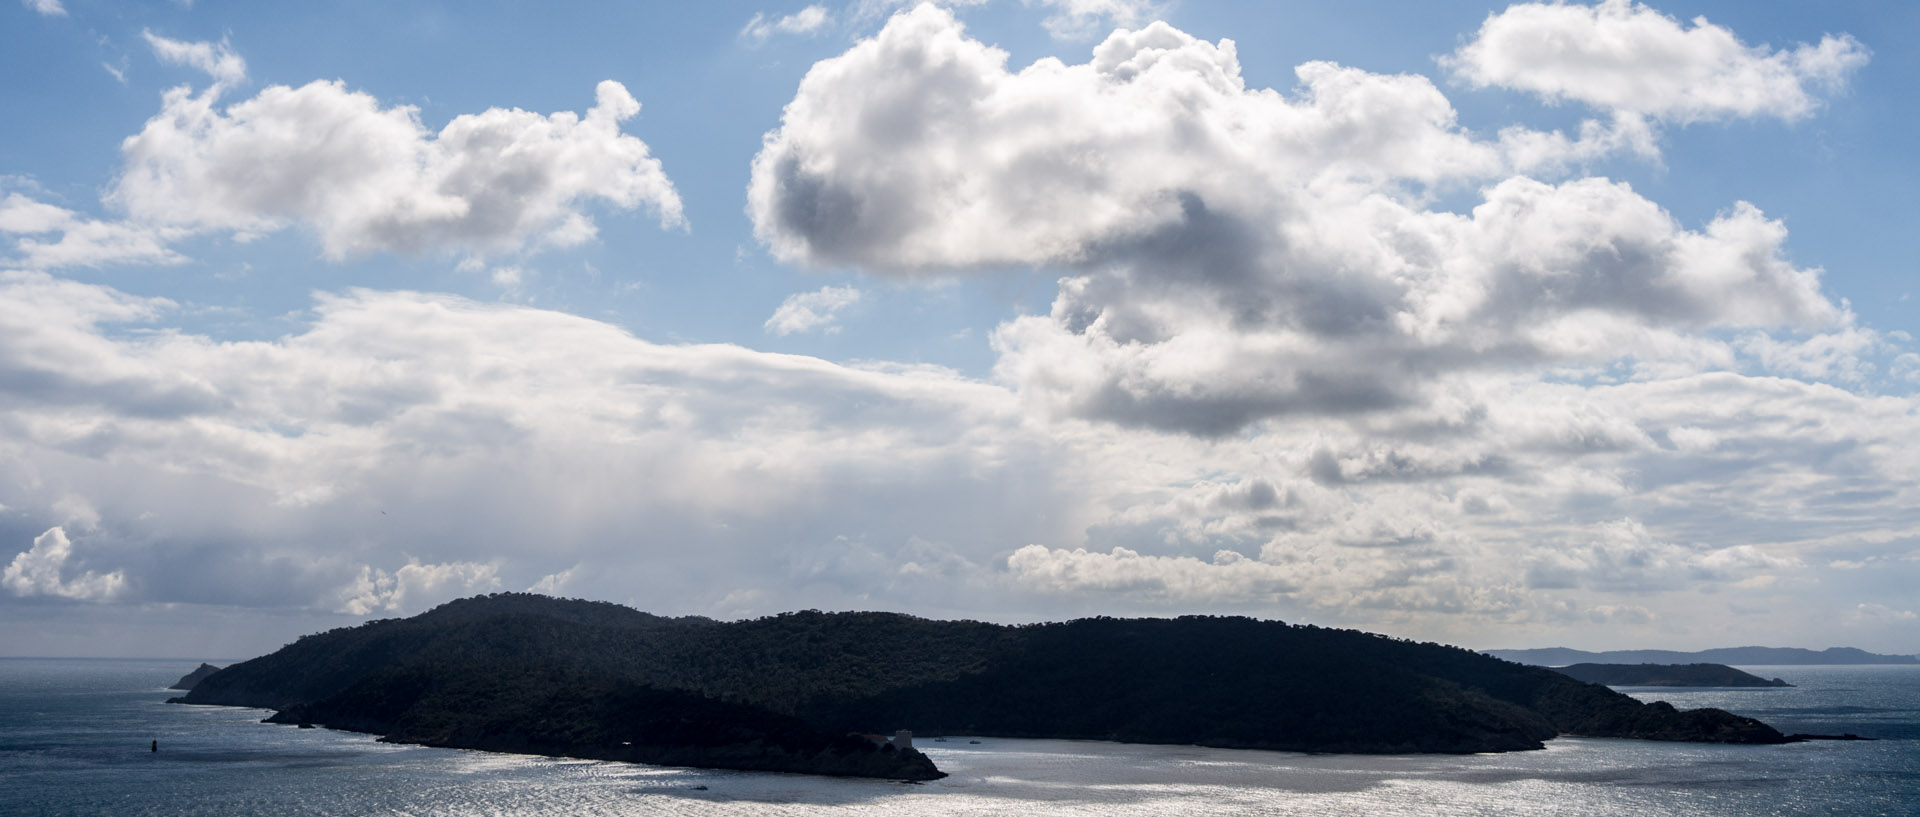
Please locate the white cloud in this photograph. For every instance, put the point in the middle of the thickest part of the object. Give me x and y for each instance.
(1623, 56)
(1843, 355)
(217, 61)
(805, 21)
(501, 180)
(432, 425)
(1237, 254)
(414, 587)
(46, 8)
(918, 149)
(1879, 613)
(38, 570)
(1473, 400)
(285, 472)
(1082, 19)
(1624, 555)
(493, 181)
(20, 214)
(507, 278)
(809, 311)
(1369, 305)
(82, 242)
(1230, 578)
(864, 12)
(1906, 367)
(553, 584)
(57, 353)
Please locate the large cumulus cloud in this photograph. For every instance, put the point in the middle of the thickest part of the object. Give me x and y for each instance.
(380, 180)
(370, 178)
(41, 569)
(1240, 254)
(1541, 411)
(946, 159)
(362, 177)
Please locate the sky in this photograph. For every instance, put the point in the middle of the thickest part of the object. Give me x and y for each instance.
(1496, 325)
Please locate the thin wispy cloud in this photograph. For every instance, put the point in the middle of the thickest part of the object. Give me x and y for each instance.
(812, 311)
(809, 20)
(46, 8)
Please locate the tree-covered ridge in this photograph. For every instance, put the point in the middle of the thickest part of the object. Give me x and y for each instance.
(1217, 681)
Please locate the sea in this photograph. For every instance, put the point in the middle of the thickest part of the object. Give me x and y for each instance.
(76, 739)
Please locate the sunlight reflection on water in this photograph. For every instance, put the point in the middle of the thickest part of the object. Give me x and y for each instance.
(85, 753)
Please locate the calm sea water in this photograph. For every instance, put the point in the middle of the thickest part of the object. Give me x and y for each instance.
(74, 740)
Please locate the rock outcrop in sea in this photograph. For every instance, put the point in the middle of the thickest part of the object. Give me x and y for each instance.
(192, 679)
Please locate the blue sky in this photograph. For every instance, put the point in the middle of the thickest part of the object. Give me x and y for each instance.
(1008, 310)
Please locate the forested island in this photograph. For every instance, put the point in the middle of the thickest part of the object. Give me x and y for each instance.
(1668, 675)
(796, 692)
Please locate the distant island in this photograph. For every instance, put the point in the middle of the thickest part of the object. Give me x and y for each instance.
(1667, 675)
(1739, 656)
(812, 692)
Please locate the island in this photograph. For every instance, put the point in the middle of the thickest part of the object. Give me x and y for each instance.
(1667, 675)
(1742, 656)
(189, 680)
(813, 692)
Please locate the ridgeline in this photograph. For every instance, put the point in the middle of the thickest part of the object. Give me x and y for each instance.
(525, 673)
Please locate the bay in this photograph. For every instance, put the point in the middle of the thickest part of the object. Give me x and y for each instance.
(74, 740)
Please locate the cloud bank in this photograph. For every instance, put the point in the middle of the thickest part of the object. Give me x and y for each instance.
(400, 450)
(1319, 353)
(1236, 254)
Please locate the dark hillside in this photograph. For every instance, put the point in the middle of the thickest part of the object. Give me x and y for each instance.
(1238, 682)
(568, 712)
(1219, 681)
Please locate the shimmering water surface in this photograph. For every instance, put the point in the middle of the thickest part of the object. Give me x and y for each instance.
(74, 740)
